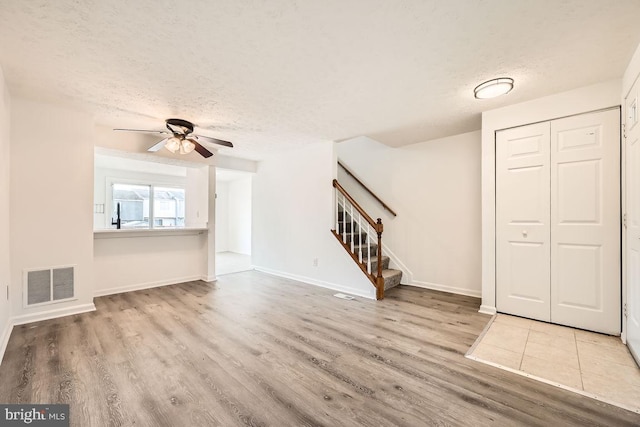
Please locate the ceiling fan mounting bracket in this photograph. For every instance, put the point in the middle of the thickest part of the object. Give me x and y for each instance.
(187, 127)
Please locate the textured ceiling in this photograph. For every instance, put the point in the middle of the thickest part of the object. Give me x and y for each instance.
(270, 75)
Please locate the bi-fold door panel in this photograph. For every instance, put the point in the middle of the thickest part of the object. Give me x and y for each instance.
(585, 221)
(522, 221)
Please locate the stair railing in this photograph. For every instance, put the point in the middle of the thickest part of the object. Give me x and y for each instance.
(359, 220)
(356, 179)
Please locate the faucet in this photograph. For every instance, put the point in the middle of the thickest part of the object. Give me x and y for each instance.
(117, 222)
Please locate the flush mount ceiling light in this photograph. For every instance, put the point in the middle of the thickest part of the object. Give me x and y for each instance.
(493, 88)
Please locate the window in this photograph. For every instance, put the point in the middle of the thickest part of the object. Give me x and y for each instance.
(148, 206)
(133, 201)
(168, 207)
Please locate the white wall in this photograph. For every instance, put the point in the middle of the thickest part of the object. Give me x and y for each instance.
(5, 258)
(240, 216)
(631, 73)
(51, 200)
(233, 215)
(434, 187)
(235, 163)
(210, 252)
(222, 216)
(128, 263)
(197, 194)
(292, 206)
(590, 98)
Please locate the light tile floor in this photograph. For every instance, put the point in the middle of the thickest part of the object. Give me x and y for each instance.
(592, 363)
(231, 262)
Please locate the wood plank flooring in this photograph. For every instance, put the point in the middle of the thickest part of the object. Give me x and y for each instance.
(254, 349)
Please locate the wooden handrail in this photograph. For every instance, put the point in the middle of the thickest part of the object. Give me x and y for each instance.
(384, 205)
(376, 225)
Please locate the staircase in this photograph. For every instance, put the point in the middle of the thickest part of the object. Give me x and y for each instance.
(361, 237)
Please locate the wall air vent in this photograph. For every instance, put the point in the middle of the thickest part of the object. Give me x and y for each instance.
(49, 285)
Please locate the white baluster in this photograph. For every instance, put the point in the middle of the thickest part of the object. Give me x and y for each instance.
(337, 209)
(368, 250)
(352, 227)
(360, 233)
(344, 227)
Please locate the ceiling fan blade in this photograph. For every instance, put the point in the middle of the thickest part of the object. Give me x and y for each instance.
(158, 146)
(213, 140)
(161, 132)
(200, 149)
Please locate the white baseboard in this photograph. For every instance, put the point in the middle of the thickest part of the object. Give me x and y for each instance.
(4, 338)
(446, 288)
(208, 278)
(53, 314)
(320, 283)
(147, 285)
(485, 309)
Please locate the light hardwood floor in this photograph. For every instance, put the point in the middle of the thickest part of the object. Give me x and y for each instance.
(253, 349)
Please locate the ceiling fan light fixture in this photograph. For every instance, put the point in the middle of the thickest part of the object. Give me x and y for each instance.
(173, 144)
(187, 146)
(493, 88)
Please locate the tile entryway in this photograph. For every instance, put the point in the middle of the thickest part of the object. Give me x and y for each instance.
(597, 365)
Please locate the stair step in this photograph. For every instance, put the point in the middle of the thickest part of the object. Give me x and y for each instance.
(347, 216)
(347, 226)
(357, 238)
(391, 278)
(374, 262)
(367, 249)
(373, 252)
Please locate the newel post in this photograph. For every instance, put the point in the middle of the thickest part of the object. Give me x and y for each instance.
(379, 278)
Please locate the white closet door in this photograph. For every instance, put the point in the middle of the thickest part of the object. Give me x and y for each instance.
(633, 223)
(522, 221)
(585, 221)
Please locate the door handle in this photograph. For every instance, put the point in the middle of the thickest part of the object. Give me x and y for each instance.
(524, 233)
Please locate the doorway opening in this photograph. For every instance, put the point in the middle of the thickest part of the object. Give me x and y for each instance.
(233, 221)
